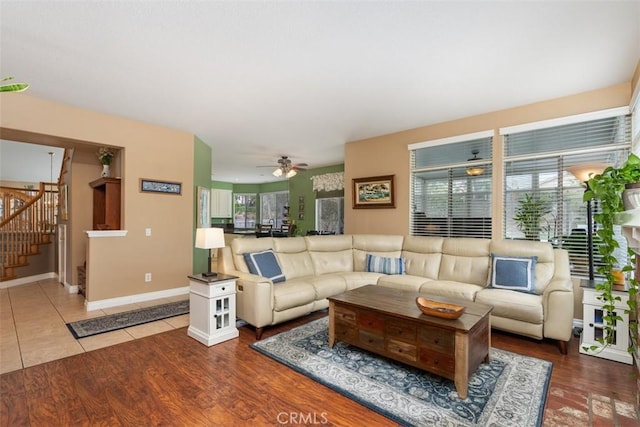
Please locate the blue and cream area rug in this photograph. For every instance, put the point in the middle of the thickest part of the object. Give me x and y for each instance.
(509, 391)
(112, 322)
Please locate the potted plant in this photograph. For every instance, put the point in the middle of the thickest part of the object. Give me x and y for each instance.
(105, 155)
(529, 214)
(608, 188)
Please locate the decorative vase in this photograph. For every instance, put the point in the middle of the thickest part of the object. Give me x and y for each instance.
(106, 172)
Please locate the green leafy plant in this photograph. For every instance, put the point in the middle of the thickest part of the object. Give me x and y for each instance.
(529, 214)
(12, 87)
(607, 188)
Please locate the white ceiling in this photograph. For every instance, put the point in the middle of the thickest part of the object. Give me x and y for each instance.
(256, 80)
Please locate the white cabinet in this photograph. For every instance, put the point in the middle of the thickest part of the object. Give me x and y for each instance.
(212, 301)
(221, 203)
(593, 327)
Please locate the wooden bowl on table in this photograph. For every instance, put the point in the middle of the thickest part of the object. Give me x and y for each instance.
(439, 309)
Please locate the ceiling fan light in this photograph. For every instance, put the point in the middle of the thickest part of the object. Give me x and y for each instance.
(291, 173)
(475, 170)
(277, 172)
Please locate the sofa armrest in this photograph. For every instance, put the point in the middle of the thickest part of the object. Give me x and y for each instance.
(254, 298)
(557, 302)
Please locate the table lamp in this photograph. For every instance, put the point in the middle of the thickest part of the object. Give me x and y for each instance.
(209, 238)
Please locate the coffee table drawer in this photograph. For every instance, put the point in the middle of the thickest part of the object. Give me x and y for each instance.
(344, 315)
(368, 339)
(438, 363)
(437, 339)
(402, 350)
(370, 321)
(398, 329)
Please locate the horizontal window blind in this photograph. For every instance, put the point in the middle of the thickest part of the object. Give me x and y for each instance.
(451, 189)
(542, 200)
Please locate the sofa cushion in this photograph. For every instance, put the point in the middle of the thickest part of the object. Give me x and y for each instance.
(403, 282)
(363, 244)
(450, 289)
(264, 264)
(422, 255)
(385, 265)
(332, 262)
(328, 285)
(293, 293)
(513, 273)
(465, 260)
(513, 305)
(295, 264)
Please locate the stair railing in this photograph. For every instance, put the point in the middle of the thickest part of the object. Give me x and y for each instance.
(27, 219)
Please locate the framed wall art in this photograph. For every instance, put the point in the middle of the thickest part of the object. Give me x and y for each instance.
(166, 187)
(204, 207)
(374, 192)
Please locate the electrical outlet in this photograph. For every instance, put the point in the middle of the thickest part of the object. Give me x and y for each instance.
(147, 232)
(147, 277)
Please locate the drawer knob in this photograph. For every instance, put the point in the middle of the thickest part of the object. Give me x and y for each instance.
(436, 341)
(222, 289)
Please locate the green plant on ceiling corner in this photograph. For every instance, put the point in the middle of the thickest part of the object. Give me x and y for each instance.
(607, 188)
(12, 87)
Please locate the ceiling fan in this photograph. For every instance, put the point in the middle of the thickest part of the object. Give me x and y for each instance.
(286, 168)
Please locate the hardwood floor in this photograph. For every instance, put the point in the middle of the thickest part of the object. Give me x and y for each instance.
(171, 379)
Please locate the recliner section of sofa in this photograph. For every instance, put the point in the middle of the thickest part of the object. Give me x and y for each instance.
(317, 267)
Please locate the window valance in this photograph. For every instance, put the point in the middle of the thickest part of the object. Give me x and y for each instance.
(328, 181)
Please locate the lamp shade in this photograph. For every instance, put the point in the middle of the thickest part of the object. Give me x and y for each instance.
(209, 238)
(277, 172)
(585, 171)
(291, 173)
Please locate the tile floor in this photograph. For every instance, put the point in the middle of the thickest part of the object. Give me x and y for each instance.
(33, 327)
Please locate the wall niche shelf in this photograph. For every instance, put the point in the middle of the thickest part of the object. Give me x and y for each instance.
(106, 203)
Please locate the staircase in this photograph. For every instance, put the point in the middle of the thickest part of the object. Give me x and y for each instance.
(27, 220)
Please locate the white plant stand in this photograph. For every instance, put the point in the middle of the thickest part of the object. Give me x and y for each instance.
(593, 326)
(212, 301)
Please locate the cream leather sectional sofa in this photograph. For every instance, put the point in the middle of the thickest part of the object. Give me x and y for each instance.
(316, 267)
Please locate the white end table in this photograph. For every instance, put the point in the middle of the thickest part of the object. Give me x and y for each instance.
(212, 301)
(593, 325)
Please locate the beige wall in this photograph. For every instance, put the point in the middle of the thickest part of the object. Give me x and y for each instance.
(116, 265)
(389, 154)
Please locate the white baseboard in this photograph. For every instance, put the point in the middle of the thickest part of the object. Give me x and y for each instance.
(132, 299)
(30, 279)
(72, 289)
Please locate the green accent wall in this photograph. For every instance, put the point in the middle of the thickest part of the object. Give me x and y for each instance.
(201, 178)
(301, 185)
(298, 186)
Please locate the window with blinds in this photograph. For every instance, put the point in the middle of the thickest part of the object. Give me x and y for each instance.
(451, 188)
(542, 200)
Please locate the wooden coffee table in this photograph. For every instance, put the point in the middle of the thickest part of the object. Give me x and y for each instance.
(389, 323)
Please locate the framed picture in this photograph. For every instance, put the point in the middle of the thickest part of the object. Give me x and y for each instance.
(204, 207)
(300, 215)
(166, 187)
(374, 192)
(63, 202)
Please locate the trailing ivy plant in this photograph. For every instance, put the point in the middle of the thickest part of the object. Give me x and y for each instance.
(607, 188)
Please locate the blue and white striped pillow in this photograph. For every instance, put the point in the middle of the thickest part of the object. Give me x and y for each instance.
(386, 265)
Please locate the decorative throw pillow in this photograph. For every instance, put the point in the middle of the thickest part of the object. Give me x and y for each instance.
(513, 273)
(265, 264)
(386, 265)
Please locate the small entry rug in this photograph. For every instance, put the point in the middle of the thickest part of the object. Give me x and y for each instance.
(510, 390)
(98, 325)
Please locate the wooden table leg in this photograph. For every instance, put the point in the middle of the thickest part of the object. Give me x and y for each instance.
(332, 326)
(461, 375)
